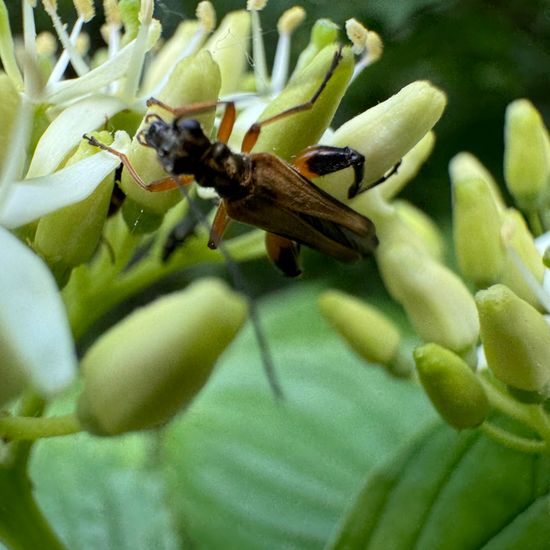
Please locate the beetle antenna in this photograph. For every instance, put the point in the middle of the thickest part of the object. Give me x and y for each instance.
(241, 285)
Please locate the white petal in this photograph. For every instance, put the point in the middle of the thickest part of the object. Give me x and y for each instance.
(66, 131)
(34, 329)
(28, 200)
(98, 78)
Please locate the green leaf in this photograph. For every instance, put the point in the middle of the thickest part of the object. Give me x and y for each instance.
(246, 470)
(103, 493)
(452, 491)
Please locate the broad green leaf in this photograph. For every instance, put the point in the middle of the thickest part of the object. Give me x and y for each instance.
(246, 470)
(451, 491)
(103, 493)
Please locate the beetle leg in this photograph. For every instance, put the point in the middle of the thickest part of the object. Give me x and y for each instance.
(163, 184)
(253, 133)
(188, 110)
(227, 122)
(284, 253)
(219, 225)
(123, 158)
(320, 160)
(169, 182)
(391, 172)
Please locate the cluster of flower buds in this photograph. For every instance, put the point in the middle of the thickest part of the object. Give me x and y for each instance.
(502, 327)
(56, 190)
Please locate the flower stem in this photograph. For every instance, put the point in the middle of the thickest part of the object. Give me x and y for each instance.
(29, 428)
(505, 404)
(523, 444)
(541, 422)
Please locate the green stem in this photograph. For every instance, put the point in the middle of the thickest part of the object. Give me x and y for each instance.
(22, 524)
(27, 428)
(506, 404)
(513, 441)
(541, 422)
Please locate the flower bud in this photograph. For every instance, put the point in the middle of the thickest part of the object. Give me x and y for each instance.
(526, 154)
(170, 54)
(465, 166)
(516, 339)
(323, 33)
(128, 11)
(69, 236)
(290, 135)
(523, 270)
(154, 362)
(454, 390)
(409, 167)
(476, 231)
(421, 225)
(366, 329)
(194, 79)
(386, 132)
(436, 301)
(229, 48)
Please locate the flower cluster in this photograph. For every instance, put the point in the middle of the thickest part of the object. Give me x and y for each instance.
(498, 254)
(69, 258)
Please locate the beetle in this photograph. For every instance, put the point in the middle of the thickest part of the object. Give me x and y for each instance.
(261, 189)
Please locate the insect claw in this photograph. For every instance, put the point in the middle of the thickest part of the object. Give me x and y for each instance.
(152, 116)
(141, 139)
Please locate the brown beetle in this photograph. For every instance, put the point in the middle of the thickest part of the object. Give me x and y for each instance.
(260, 189)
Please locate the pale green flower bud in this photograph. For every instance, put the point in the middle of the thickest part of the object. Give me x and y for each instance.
(69, 236)
(386, 132)
(476, 231)
(421, 225)
(323, 33)
(436, 301)
(409, 167)
(291, 134)
(516, 339)
(195, 79)
(229, 47)
(8, 112)
(154, 362)
(454, 390)
(128, 11)
(367, 330)
(526, 154)
(465, 166)
(169, 54)
(524, 268)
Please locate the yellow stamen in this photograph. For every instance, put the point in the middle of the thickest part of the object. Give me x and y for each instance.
(112, 12)
(50, 5)
(206, 14)
(290, 19)
(374, 45)
(85, 9)
(83, 43)
(46, 44)
(357, 33)
(256, 5)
